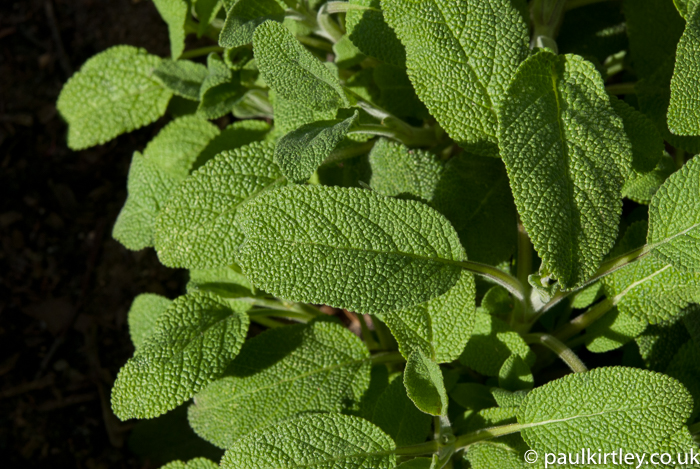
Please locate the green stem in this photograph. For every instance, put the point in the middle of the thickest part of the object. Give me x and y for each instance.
(417, 450)
(621, 88)
(317, 43)
(266, 322)
(584, 320)
(415, 137)
(571, 4)
(279, 313)
(559, 348)
(328, 27)
(524, 267)
(486, 434)
(507, 281)
(189, 54)
(344, 7)
(546, 18)
(386, 358)
(366, 333)
(679, 158)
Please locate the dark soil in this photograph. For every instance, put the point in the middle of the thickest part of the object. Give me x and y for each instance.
(65, 284)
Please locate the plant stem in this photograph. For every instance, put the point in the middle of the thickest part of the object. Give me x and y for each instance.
(559, 348)
(317, 43)
(507, 281)
(524, 266)
(584, 320)
(621, 88)
(279, 313)
(344, 7)
(189, 54)
(487, 433)
(571, 4)
(328, 27)
(417, 450)
(267, 322)
(386, 358)
(386, 340)
(415, 137)
(546, 17)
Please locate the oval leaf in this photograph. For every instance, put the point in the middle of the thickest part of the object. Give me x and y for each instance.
(424, 384)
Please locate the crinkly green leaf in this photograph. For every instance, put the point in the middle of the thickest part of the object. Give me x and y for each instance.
(508, 399)
(498, 302)
(292, 72)
(236, 135)
(424, 384)
(193, 342)
(674, 219)
(684, 107)
(605, 408)
(496, 453)
(224, 281)
(567, 155)
(301, 152)
(144, 311)
(197, 463)
(491, 344)
(585, 297)
(368, 30)
(685, 7)
(182, 77)
(220, 90)
(319, 367)
(641, 189)
(399, 418)
(348, 248)
(290, 115)
(396, 92)
(198, 226)
(114, 92)
(399, 171)
(321, 441)
(244, 17)
(473, 193)
(659, 343)
(461, 55)
(378, 382)
(515, 374)
(175, 14)
(685, 367)
(439, 327)
(613, 330)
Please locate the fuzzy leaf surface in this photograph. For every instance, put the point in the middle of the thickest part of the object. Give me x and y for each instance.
(183, 77)
(244, 17)
(348, 248)
(613, 330)
(684, 108)
(641, 189)
(114, 92)
(424, 384)
(175, 14)
(561, 139)
(368, 30)
(143, 314)
(197, 463)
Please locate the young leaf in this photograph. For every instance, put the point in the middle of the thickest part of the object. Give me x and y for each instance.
(674, 219)
(244, 17)
(301, 152)
(348, 248)
(613, 330)
(220, 90)
(399, 418)
(368, 30)
(515, 375)
(460, 57)
(605, 408)
(291, 70)
(182, 77)
(439, 327)
(197, 228)
(236, 135)
(206, 11)
(283, 372)
(198, 463)
(175, 14)
(193, 342)
(114, 92)
(321, 441)
(144, 311)
(561, 139)
(684, 108)
(424, 384)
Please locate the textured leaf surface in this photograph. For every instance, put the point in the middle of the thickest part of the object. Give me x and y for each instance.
(473, 193)
(114, 92)
(440, 327)
(322, 441)
(301, 152)
(182, 77)
(566, 154)
(348, 248)
(198, 463)
(193, 342)
(244, 17)
(613, 330)
(223, 280)
(674, 219)
(472, 396)
(371, 34)
(291, 70)
(144, 312)
(684, 108)
(290, 115)
(685, 367)
(460, 57)
(234, 136)
(198, 228)
(641, 189)
(399, 418)
(424, 384)
(605, 408)
(280, 373)
(220, 90)
(495, 453)
(174, 13)
(396, 92)
(515, 374)
(659, 343)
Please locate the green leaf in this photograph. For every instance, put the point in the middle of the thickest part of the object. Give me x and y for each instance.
(378, 382)
(498, 302)
(685, 7)
(567, 155)
(587, 296)
(291, 70)
(491, 344)
(674, 219)
(223, 281)
(301, 152)
(114, 92)
(368, 30)
(236, 135)
(484, 418)
(144, 311)
(472, 396)
(659, 343)
(508, 399)
(206, 11)
(165, 163)
(396, 92)
(399, 418)
(198, 463)
(612, 331)
(346, 53)
(685, 367)
(515, 374)
(641, 189)
(439, 327)
(348, 248)
(424, 384)
(321, 441)
(193, 342)
(183, 77)
(684, 107)
(484, 215)
(290, 115)
(490, 454)
(244, 17)
(399, 171)
(605, 408)
(198, 226)
(220, 91)
(460, 57)
(175, 14)
(281, 373)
